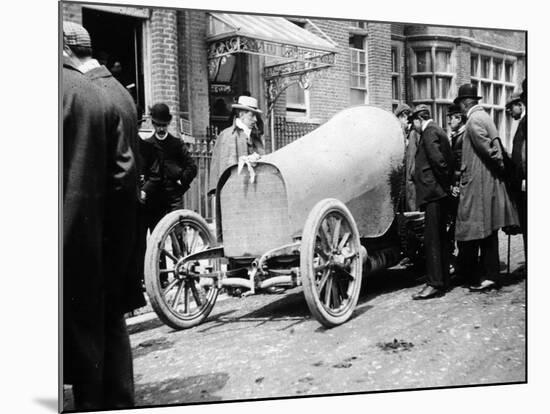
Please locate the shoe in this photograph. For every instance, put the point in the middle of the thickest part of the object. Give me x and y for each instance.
(483, 286)
(428, 292)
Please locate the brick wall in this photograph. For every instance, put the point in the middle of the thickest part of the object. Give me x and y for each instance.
(462, 64)
(330, 92)
(164, 61)
(379, 64)
(196, 67)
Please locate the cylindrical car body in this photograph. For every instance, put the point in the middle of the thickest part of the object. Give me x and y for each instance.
(356, 157)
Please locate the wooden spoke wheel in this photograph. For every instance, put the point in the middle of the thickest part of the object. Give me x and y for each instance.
(330, 262)
(178, 294)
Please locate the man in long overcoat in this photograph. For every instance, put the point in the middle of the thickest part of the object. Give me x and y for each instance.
(519, 174)
(124, 104)
(484, 205)
(432, 177)
(236, 140)
(99, 188)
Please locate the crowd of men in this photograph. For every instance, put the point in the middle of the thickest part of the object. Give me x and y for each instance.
(116, 187)
(468, 187)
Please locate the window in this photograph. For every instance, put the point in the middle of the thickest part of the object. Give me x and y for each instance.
(296, 101)
(358, 70)
(432, 79)
(494, 77)
(395, 77)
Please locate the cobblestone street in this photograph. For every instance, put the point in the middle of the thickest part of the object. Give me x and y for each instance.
(269, 345)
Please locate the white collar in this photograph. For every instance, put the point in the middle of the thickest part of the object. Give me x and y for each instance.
(89, 65)
(159, 138)
(425, 124)
(242, 126)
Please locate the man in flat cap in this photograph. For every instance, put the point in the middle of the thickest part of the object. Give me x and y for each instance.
(402, 112)
(457, 124)
(237, 140)
(99, 192)
(80, 51)
(484, 205)
(519, 176)
(432, 176)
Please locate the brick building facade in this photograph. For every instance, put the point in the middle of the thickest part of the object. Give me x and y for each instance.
(166, 57)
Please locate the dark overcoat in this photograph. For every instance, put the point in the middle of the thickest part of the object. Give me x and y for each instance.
(128, 293)
(433, 165)
(484, 205)
(231, 144)
(518, 155)
(167, 166)
(99, 179)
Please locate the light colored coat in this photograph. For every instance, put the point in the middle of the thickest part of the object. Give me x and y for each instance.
(484, 205)
(231, 144)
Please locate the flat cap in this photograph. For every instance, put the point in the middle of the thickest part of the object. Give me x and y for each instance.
(75, 35)
(402, 107)
(418, 109)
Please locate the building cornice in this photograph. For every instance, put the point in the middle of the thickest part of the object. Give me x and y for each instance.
(463, 39)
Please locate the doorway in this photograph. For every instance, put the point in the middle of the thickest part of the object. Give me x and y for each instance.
(117, 42)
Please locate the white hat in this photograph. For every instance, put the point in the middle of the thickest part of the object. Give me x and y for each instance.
(248, 103)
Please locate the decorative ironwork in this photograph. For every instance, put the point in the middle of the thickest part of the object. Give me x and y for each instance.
(277, 85)
(241, 44)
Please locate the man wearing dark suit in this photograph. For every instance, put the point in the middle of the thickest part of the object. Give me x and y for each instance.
(432, 177)
(99, 194)
(168, 168)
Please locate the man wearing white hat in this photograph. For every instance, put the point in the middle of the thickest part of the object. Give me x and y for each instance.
(237, 140)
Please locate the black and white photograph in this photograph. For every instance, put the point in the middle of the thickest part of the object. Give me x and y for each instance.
(279, 207)
(275, 206)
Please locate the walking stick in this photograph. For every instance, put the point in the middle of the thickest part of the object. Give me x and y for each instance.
(508, 264)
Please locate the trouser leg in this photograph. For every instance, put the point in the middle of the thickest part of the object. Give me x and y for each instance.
(489, 258)
(436, 245)
(469, 253)
(118, 374)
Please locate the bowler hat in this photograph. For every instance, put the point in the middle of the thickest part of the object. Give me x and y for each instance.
(160, 114)
(454, 109)
(515, 98)
(402, 107)
(418, 109)
(467, 91)
(75, 35)
(247, 103)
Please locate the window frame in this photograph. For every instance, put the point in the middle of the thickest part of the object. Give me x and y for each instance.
(353, 64)
(488, 103)
(437, 103)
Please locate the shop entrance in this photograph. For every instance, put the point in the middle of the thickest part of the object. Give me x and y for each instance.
(117, 44)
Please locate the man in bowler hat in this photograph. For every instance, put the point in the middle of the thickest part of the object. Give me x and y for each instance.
(484, 205)
(168, 168)
(432, 177)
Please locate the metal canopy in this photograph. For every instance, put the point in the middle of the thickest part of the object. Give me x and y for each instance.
(296, 52)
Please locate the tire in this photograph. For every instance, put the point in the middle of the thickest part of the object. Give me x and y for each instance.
(177, 235)
(331, 282)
